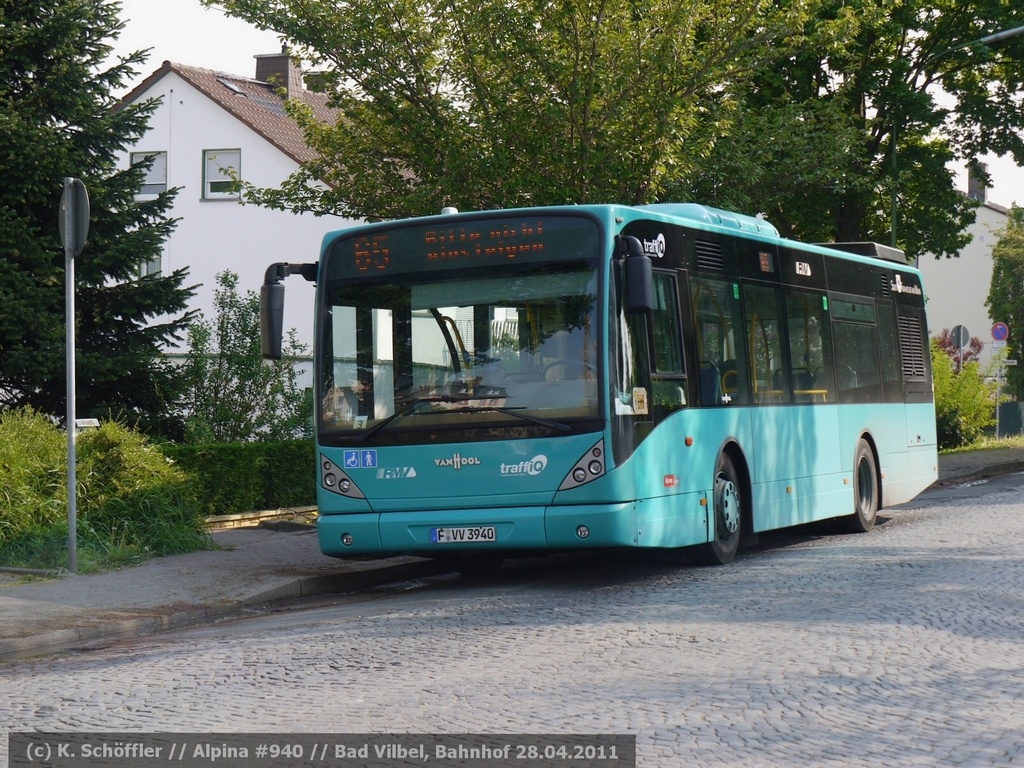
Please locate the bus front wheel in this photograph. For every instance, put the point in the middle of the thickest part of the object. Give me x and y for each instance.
(727, 512)
(865, 491)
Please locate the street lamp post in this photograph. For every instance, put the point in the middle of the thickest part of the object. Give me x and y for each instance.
(995, 37)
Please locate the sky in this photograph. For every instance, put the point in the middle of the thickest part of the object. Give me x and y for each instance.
(185, 32)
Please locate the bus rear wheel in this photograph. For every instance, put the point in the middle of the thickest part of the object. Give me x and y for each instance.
(865, 491)
(727, 512)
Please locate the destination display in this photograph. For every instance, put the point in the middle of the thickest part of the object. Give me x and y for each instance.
(462, 241)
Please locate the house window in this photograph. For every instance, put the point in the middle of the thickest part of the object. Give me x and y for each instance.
(153, 266)
(218, 166)
(154, 180)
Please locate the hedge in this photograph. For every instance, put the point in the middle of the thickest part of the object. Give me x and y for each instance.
(230, 478)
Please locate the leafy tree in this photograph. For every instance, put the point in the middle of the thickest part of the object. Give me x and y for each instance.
(811, 143)
(232, 392)
(969, 354)
(491, 103)
(789, 108)
(57, 119)
(1006, 295)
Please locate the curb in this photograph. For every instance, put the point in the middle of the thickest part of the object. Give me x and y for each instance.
(260, 517)
(58, 640)
(995, 470)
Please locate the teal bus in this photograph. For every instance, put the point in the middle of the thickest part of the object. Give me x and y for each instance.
(671, 376)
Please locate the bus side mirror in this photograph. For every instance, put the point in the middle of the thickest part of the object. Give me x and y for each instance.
(272, 304)
(271, 319)
(639, 295)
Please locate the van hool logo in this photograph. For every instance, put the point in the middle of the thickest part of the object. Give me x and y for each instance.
(655, 247)
(533, 466)
(458, 461)
(899, 286)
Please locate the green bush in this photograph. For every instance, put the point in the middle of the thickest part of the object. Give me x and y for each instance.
(228, 477)
(131, 501)
(964, 403)
(33, 483)
(291, 479)
(133, 496)
(242, 477)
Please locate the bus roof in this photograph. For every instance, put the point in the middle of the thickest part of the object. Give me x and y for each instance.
(702, 214)
(716, 216)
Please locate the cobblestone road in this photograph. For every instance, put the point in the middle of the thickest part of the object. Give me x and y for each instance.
(900, 647)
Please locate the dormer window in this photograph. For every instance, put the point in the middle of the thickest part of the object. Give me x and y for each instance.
(218, 167)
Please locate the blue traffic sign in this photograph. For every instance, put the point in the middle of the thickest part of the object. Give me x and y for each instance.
(1000, 332)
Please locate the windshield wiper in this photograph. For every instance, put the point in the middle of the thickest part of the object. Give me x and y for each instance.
(558, 425)
(411, 406)
(405, 410)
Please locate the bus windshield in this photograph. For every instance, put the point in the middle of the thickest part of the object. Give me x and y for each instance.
(444, 355)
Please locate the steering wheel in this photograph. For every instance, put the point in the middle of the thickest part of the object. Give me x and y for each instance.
(574, 369)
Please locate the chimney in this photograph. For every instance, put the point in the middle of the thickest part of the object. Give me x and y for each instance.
(976, 187)
(279, 70)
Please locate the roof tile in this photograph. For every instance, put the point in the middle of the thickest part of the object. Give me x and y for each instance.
(256, 104)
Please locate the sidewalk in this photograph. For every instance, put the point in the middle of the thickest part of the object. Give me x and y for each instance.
(250, 567)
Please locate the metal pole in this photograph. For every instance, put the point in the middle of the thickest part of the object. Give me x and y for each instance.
(892, 195)
(999, 393)
(1000, 36)
(69, 308)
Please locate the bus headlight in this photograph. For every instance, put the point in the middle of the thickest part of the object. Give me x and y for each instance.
(333, 479)
(590, 467)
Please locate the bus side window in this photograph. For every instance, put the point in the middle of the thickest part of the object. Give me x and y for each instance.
(668, 379)
(858, 365)
(770, 377)
(722, 373)
(810, 347)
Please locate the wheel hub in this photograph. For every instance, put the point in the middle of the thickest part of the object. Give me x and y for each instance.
(727, 504)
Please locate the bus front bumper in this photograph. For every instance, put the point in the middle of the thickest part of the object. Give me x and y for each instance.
(439, 532)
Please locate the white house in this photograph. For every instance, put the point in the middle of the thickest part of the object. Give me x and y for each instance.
(207, 122)
(957, 289)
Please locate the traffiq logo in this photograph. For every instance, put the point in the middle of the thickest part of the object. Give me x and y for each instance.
(533, 466)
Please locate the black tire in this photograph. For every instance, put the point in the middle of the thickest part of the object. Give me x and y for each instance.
(727, 512)
(865, 491)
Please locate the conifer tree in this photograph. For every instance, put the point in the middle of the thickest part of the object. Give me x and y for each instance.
(59, 118)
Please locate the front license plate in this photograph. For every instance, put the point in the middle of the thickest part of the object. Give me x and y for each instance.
(463, 534)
